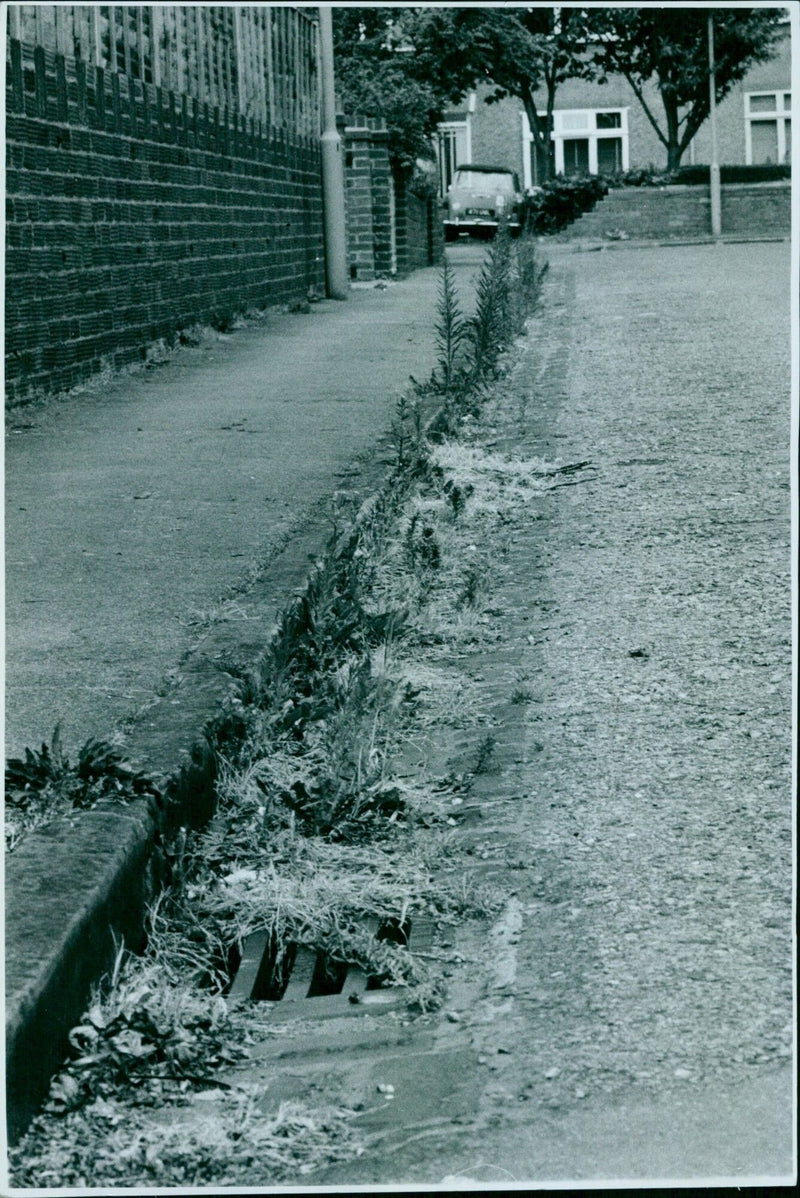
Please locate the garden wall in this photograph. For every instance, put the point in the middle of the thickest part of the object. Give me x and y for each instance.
(757, 208)
(420, 227)
(132, 212)
(369, 199)
(748, 210)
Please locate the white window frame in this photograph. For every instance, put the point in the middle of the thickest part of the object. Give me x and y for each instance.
(591, 133)
(464, 126)
(779, 115)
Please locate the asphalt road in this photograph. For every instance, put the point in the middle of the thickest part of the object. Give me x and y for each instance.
(630, 1015)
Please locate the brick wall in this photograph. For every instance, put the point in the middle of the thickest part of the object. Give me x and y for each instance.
(132, 212)
(749, 210)
(754, 209)
(420, 228)
(648, 212)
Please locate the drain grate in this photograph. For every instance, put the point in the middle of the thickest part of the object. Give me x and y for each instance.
(301, 974)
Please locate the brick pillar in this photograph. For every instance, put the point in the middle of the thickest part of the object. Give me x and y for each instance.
(367, 202)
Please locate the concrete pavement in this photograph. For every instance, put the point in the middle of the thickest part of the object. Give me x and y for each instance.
(138, 511)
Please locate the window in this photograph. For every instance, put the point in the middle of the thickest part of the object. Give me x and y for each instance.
(572, 122)
(609, 155)
(499, 181)
(575, 152)
(591, 141)
(767, 127)
(588, 141)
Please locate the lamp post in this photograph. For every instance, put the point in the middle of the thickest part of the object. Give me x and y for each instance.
(332, 169)
(716, 197)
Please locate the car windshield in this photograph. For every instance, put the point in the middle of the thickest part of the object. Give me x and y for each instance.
(484, 180)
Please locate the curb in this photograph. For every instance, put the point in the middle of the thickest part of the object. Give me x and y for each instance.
(79, 887)
(577, 245)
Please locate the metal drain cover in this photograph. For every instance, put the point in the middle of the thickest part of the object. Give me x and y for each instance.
(316, 985)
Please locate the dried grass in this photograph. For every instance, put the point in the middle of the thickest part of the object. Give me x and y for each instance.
(236, 1145)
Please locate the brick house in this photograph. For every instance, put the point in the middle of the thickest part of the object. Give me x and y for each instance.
(602, 128)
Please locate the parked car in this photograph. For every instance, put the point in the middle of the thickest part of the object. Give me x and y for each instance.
(479, 197)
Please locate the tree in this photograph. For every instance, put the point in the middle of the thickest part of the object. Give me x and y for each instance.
(408, 64)
(401, 64)
(671, 45)
(525, 51)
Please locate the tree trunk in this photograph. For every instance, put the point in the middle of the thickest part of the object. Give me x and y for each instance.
(674, 148)
(549, 154)
(542, 141)
(674, 155)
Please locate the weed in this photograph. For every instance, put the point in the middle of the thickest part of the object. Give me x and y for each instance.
(134, 1147)
(468, 596)
(44, 784)
(490, 328)
(410, 451)
(457, 496)
(223, 322)
(484, 754)
(422, 548)
(451, 332)
(530, 273)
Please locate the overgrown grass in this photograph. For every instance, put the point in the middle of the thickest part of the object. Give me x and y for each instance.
(243, 1145)
(470, 350)
(315, 832)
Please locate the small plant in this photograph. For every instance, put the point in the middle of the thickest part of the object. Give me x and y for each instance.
(408, 437)
(421, 545)
(471, 588)
(522, 692)
(457, 496)
(490, 329)
(44, 783)
(530, 272)
(451, 331)
(484, 754)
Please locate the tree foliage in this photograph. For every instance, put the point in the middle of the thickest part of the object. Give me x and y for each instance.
(670, 45)
(408, 65)
(402, 64)
(522, 52)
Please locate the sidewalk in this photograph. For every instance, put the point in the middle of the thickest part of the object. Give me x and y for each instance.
(136, 509)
